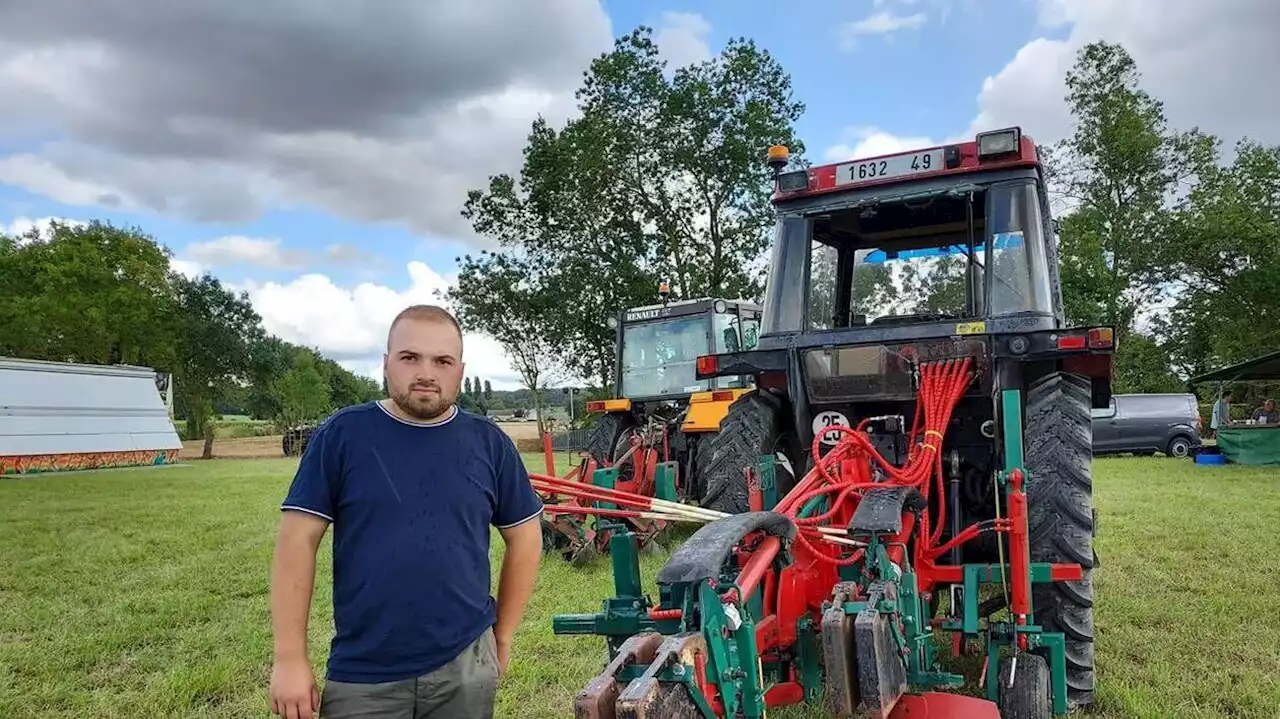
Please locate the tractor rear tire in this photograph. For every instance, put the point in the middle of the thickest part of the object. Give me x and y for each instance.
(755, 425)
(1059, 457)
(604, 437)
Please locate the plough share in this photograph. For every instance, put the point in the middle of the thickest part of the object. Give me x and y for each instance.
(830, 594)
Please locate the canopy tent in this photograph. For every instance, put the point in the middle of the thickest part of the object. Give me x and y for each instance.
(1258, 369)
(1255, 444)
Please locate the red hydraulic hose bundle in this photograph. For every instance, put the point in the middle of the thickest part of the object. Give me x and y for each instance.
(841, 475)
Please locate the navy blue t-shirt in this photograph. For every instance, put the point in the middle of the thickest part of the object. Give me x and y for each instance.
(411, 505)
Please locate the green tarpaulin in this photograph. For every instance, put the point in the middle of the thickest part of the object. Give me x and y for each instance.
(1251, 445)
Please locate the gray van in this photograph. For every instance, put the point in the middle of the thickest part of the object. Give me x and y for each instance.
(1148, 423)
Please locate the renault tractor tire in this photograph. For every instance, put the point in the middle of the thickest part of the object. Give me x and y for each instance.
(755, 425)
(603, 442)
(1059, 458)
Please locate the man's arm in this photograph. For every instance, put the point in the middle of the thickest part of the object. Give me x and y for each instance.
(293, 687)
(516, 516)
(515, 586)
(293, 575)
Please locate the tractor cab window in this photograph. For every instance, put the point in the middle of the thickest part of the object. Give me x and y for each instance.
(733, 336)
(660, 358)
(964, 253)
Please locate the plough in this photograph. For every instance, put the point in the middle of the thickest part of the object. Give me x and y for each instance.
(831, 594)
(578, 527)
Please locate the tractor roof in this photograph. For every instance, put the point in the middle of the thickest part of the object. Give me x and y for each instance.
(1001, 149)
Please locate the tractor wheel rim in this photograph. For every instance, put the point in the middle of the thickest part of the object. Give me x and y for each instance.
(1180, 449)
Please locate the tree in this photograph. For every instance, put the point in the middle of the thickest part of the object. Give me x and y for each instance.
(93, 293)
(1119, 167)
(1227, 233)
(494, 295)
(659, 177)
(466, 386)
(214, 331)
(303, 391)
(488, 391)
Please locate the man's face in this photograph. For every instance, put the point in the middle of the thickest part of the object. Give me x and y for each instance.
(424, 367)
(1270, 405)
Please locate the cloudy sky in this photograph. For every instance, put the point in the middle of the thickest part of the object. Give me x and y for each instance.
(317, 154)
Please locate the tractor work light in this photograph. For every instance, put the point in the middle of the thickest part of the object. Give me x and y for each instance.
(999, 142)
(720, 307)
(612, 322)
(793, 181)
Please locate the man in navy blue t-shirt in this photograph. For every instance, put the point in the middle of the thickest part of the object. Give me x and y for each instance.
(412, 485)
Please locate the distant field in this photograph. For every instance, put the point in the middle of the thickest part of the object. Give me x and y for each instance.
(143, 593)
(255, 439)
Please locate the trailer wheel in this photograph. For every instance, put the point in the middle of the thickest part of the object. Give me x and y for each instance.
(754, 426)
(1059, 456)
(1030, 696)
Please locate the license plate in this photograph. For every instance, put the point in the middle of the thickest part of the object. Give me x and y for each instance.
(910, 163)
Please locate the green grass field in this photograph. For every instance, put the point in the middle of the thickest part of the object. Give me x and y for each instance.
(143, 593)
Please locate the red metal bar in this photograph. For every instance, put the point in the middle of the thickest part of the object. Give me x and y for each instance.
(760, 561)
(785, 694)
(546, 451)
(755, 496)
(1019, 554)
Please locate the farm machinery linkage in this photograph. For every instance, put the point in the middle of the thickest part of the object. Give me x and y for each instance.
(829, 595)
(578, 528)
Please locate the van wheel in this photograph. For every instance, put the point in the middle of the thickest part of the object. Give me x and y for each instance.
(1179, 447)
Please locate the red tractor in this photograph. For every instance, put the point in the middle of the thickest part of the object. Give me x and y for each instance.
(915, 367)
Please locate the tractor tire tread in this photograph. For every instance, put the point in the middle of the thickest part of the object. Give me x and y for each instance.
(1059, 455)
(751, 423)
(605, 434)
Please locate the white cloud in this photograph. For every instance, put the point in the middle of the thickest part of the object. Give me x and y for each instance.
(682, 39)
(350, 324)
(884, 22)
(19, 226)
(264, 252)
(872, 142)
(1207, 62)
(189, 268)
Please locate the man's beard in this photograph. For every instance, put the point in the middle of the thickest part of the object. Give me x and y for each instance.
(422, 407)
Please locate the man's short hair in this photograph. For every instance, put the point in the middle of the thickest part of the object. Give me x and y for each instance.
(424, 312)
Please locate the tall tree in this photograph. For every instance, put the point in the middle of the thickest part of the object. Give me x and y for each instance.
(303, 391)
(1120, 167)
(466, 386)
(662, 175)
(488, 391)
(215, 331)
(90, 293)
(494, 295)
(1227, 232)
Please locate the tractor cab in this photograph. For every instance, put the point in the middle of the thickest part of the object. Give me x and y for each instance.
(659, 345)
(659, 404)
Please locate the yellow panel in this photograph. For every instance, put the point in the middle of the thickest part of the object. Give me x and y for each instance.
(706, 412)
(971, 328)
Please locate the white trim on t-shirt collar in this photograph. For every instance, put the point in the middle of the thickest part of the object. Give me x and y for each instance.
(412, 423)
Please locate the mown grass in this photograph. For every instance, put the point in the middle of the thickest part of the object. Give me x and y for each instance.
(133, 593)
